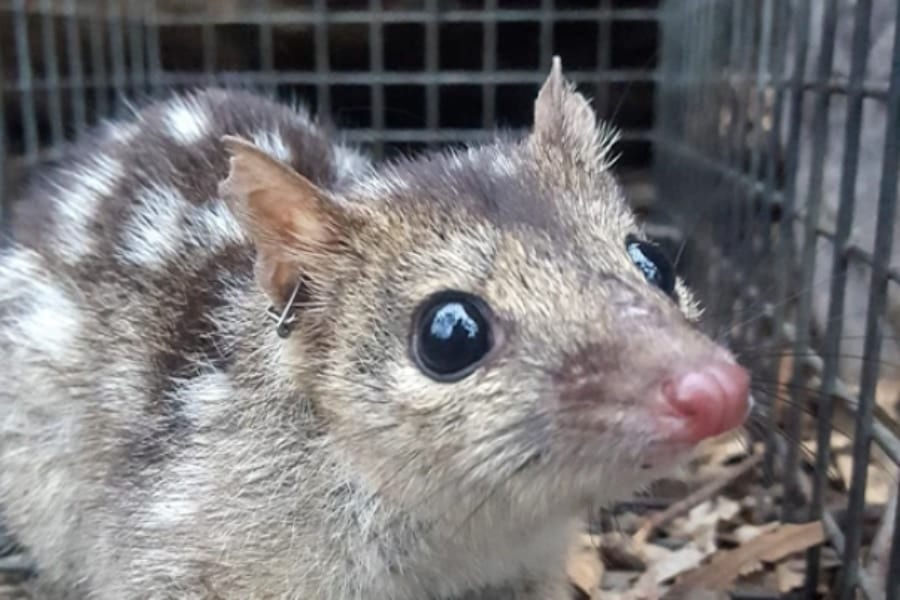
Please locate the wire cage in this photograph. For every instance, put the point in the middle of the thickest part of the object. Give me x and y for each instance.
(394, 75)
(779, 123)
(766, 131)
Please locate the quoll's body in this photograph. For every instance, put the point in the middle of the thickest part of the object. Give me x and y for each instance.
(480, 349)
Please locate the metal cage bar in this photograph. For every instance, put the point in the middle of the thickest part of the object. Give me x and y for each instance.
(696, 158)
(884, 237)
(834, 329)
(803, 315)
(25, 81)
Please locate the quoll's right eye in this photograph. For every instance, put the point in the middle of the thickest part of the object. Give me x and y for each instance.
(655, 266)
(451, 335)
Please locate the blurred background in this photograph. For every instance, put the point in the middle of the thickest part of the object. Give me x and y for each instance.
(396, 75)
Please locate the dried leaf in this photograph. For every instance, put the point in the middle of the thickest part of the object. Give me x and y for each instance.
(619, 581)
(769, 547)
(722, 451)
(789, 539)
(705, 540)
(745, 533)
(621, 553)
(585, 569)
(654, 553)
(677, 563)
(789, 576)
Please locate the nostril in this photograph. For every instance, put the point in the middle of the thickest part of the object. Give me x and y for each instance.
(711, 400)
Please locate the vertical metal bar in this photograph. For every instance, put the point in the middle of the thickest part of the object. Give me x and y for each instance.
(376, 66)
(680, 55)
(117, 52)
(266, 47)
(772, 146)
(4, 224)
(704, 42)
(661, 102)
(690, 57)
(604, 57)
(786, 242)
(26, 81)
(732, 78)
(762, 67)
(754, 215)
(546, 33)
(808, 257)
(208, 35)
(884, 237)
(835, 324)
(323, 91)
(756, 212)
(154, 55)
(675, 70)
(892, 589)
(489, 65)
(48, 35)
(742, 194)
(432, 103)
(135, 22)
(700, 92)
(76, 69)
(98, 67)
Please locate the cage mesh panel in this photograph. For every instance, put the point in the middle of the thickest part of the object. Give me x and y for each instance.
(396, 75)
(740, 90)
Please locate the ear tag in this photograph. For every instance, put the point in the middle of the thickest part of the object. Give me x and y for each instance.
(287, 316)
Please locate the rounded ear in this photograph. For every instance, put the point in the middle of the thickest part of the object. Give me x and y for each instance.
(296, 226)
(564, 119)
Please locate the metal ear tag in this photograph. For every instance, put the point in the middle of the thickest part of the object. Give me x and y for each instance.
(284, 319)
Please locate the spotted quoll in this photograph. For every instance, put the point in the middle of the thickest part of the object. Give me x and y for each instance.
(240, 361)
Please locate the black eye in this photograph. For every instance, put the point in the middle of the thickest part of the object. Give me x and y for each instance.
(451, 335)
(653, 263)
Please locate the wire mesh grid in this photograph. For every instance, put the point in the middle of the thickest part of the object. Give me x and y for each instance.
(747, 137)
(743, 137)
(395, 75)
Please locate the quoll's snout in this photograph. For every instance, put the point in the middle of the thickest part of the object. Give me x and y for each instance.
(708, 400)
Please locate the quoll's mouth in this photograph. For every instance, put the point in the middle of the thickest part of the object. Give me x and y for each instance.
(660, 421)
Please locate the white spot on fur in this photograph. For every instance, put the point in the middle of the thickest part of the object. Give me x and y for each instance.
(349, 163)
(214, 225)
(273, 144)
(51, 323)
(188, 122)
(80, 192)
(152, 234)
(503, 166)
(380, 184)
(17, 266)
(201, 399)
(171, 508)
(301, 114)
(204, 395)
(121, 132)
(634, 312)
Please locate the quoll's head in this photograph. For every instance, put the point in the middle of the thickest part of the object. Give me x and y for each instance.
(490, 320)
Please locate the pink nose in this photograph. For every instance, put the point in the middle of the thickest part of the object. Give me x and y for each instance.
(710, 400)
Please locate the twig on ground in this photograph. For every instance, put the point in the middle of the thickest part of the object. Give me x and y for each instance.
(659, 519)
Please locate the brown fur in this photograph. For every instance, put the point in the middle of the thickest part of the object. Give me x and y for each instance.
(160, 440)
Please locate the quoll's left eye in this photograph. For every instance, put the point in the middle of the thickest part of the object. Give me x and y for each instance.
(653, 263)
(451, 335)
